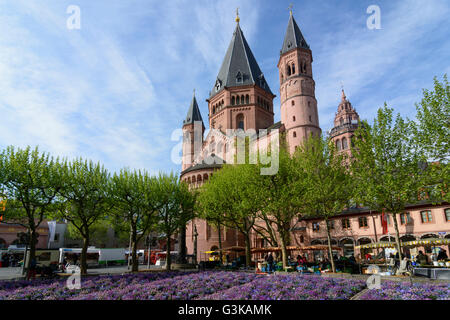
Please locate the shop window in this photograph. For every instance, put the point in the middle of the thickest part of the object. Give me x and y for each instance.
(447, 215)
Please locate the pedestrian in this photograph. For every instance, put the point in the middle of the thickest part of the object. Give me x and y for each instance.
(270, 262)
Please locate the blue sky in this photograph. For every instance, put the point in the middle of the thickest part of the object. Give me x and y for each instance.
(115, 90)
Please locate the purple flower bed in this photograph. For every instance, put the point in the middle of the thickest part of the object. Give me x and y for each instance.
(404, 291)
(56, 289)
(293, 287)
(185, 287)
(217, 286)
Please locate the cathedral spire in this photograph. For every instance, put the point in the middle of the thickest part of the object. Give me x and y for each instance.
(193, 112)
(239, 67)
(293, 38)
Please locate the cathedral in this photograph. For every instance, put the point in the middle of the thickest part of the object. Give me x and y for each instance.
(242, 99)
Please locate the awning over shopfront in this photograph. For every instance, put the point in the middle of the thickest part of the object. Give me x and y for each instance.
(293, 248)
(375, 245)
(410, 244)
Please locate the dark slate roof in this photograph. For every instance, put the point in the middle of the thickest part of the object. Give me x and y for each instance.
(193, 113)
(202, 166)
(293, 38)
(276, 125)
(239, 62)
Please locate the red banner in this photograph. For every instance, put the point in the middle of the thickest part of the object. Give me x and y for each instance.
(384, 223)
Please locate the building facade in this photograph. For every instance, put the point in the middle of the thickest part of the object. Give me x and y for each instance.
(242, 99)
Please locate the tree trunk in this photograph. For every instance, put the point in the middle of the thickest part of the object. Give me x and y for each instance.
(134, 258)
(84, 253)
(168, 258)
(32, 244)
(182, 245)
(219, 233)
(284, 256)
(397, 237)
(248, 255)
(330, 250)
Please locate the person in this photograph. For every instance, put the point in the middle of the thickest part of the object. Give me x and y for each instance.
(352, 259)
(442, 255)
(421, 258)
(270, 262)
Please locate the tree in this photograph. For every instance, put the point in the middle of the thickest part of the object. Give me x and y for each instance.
(99, 233)
(233, 194)
(283, 195)
(86, 199)
(176, 208)
(433, 136)
(388, 166)
(209, 210)
(31, 181)
(135, 196)
(325, 180)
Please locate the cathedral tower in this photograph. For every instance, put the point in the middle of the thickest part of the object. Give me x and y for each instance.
(241, 97)
(345, 123)
(297, 88)
(193, 121)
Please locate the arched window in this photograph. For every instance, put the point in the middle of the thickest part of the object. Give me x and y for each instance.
(205, 177)
(199, 178)
(233, 101)
(242, 99)
(293, 118)
(247, 99)
(341, 121)
(214, 109)
(310, 119)
(237, 100)
(344, 143)
(294, 134)
(288, 71)
(258, 101)
(293, 103)
(293, 68)
(193, 179)
(338, 145)
(240, 121)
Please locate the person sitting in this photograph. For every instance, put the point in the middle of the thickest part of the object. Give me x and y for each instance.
(442, 255)
(422, 258)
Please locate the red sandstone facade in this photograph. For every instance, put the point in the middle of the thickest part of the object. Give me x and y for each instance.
(241, 99)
